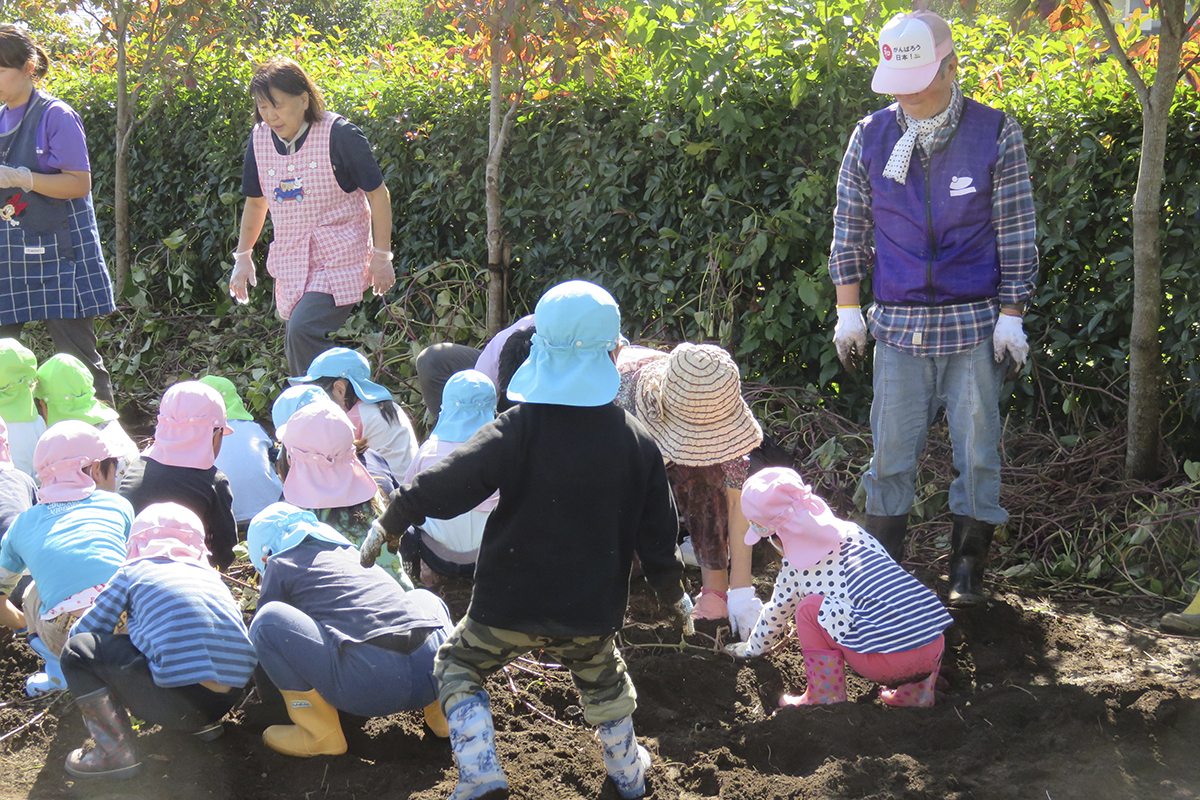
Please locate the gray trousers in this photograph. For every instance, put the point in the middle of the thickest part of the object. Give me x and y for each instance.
(435, 365)
(76, 337)
(308, 329)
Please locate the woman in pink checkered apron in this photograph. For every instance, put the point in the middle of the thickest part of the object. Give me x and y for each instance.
(331, 212)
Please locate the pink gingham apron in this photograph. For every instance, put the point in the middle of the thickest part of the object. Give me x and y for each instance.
(322, 235)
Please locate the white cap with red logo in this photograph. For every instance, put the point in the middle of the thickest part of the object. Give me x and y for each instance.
(911, 48)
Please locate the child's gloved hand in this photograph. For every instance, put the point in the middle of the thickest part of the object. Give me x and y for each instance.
(372, 546)
(737, 650)
(744, 610)
(680, 613)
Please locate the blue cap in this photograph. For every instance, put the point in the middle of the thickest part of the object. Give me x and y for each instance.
(281, 526)
(294, 398)
(468, 403)
(578, 325)
(342, 362)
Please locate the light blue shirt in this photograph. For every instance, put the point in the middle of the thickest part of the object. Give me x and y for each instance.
(244, 460)
(68, 547)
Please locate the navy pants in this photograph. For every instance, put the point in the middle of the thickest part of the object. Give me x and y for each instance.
(91, 662)
(299, 655)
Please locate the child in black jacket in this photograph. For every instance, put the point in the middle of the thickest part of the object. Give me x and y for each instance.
(582, 488)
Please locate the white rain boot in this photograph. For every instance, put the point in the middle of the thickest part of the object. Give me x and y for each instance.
(473, 739)
(625, 759)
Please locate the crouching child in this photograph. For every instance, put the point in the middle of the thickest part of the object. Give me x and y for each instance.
(582, 488)
(187, 655)
(853, 604)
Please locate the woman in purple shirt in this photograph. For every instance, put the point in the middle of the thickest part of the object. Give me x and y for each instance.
(51, 266)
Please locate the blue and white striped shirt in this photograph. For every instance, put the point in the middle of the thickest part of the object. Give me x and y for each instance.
(181, 617)
(871, 604)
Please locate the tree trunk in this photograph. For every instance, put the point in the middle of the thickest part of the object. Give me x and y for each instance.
(120, 269)
(1145, 350)
(496, 310)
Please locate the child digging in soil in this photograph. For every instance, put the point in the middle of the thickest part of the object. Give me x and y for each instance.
(449, 547)
(185, 659)
(852, 603)
(180, 465)
(582, 488)
(327, 630)
(71, 542)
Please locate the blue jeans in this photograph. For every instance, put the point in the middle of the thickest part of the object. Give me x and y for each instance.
(909, 390)
(299, 655)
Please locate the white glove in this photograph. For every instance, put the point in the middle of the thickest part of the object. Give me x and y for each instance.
(380, 272)
(744, 610)
(681, 614)
(16, 178)
(737, 649)
(850, 337)
(1009, 340)
(243, 273)
(372, 546)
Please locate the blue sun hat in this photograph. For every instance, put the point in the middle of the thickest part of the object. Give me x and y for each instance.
(281, 526)
(294, 398)
(468, 403)
(342, 362)
(578, 325)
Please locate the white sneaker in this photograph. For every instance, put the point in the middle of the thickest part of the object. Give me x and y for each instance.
(688, 553)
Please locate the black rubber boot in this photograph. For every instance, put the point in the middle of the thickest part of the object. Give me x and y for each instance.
(890, 531)
(969, 543)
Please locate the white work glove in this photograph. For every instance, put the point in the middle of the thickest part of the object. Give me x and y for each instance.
(744, 610)
(850, 337)
(737, 649)
(243, 273)
(16, 178)
(1008, 340)
(681, 614)
(380, 272)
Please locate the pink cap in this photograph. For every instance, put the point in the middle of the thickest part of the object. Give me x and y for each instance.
(168, 530)
(62, 454)
(323, 468)
(188, 415)
(778, 503)
(911, 48)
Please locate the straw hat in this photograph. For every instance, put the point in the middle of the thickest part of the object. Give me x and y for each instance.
(691, 402)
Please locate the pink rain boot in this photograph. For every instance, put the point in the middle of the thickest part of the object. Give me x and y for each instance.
(918, 694)
(826, 671)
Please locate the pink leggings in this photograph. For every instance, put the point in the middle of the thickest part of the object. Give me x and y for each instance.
(889, 669)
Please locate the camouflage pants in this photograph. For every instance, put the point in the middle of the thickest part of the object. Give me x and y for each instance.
(475, 651)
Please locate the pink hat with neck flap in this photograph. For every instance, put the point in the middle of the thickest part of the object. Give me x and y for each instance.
(62, 455)
(778, 503)
(188, 416)
(323, 467)
(168, 530)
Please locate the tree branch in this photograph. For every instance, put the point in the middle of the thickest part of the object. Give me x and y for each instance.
(1114, 44)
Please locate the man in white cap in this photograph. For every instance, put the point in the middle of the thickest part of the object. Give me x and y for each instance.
(935, 206)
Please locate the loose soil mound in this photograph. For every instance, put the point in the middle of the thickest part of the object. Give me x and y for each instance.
(1039, 701)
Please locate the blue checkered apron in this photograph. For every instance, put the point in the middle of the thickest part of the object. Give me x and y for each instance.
(51, 265)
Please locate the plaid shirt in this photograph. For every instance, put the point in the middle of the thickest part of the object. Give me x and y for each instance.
(933, 331)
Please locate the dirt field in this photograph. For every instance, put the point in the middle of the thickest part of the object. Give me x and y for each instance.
(1041, 702)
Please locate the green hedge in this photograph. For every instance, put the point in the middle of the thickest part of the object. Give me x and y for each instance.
(702, 228)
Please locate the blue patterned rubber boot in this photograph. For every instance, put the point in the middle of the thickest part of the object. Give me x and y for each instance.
(40, 683)
(114, 755)
(473, 739)
(625, 759)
